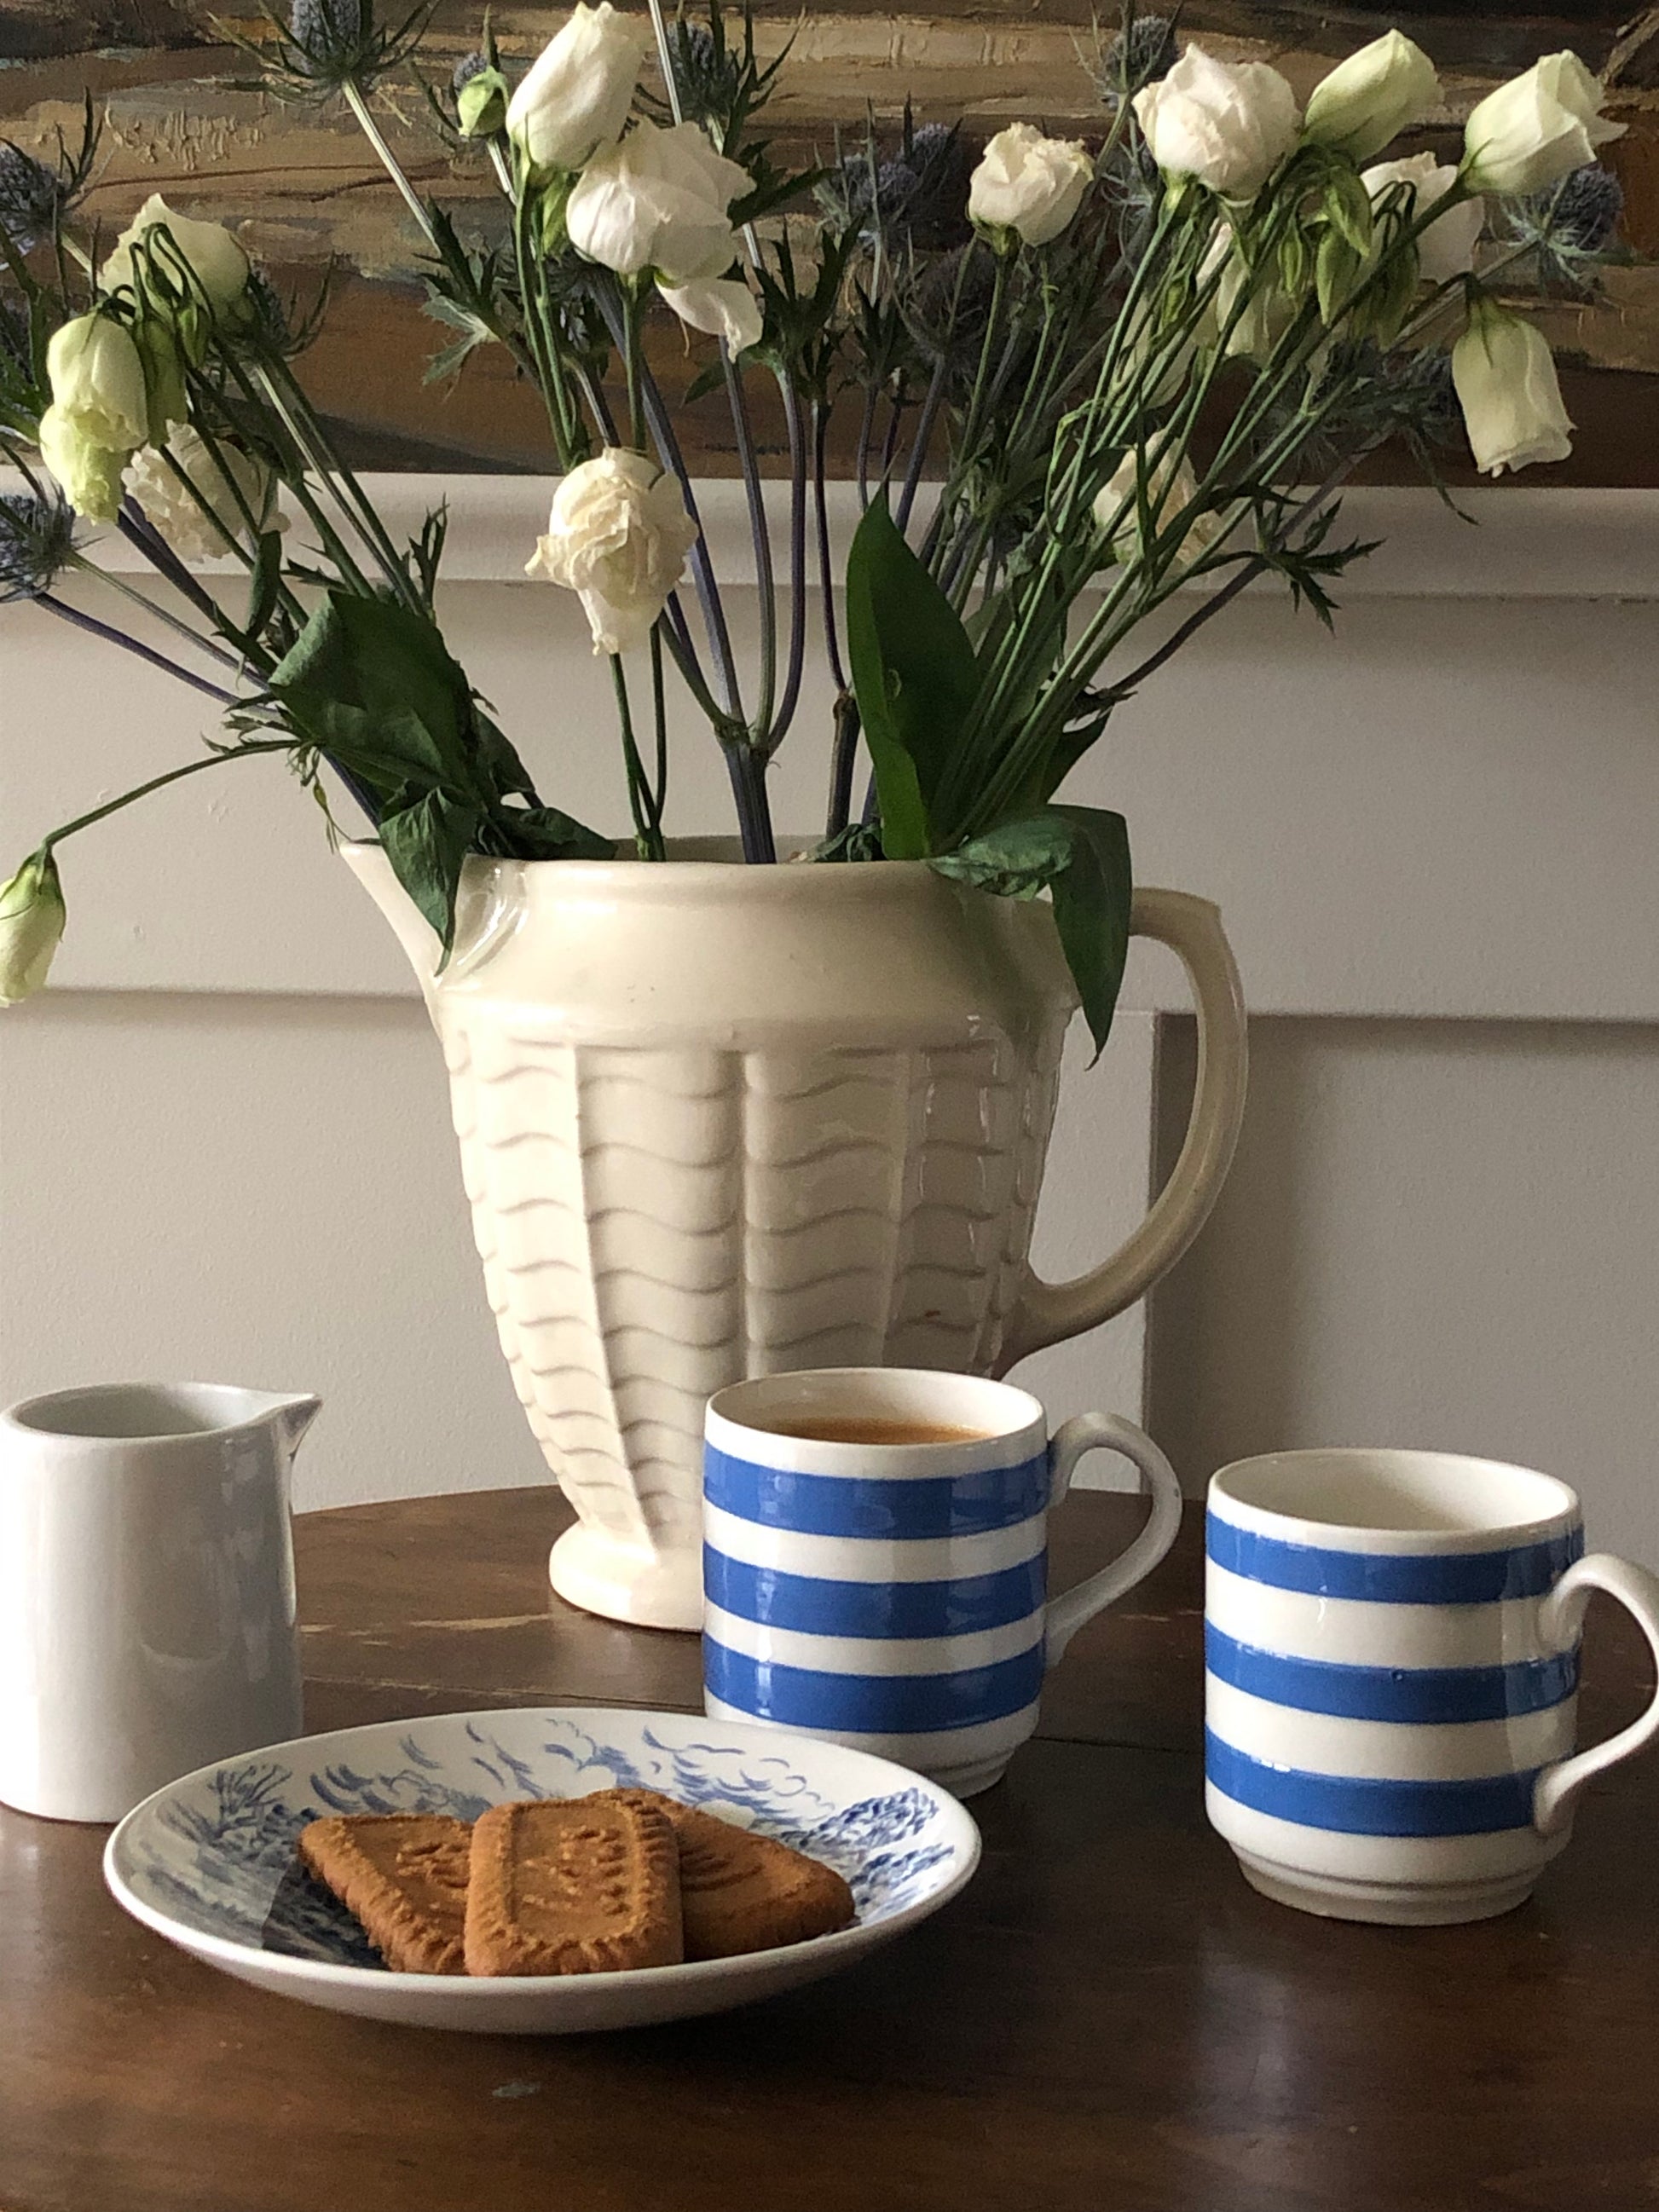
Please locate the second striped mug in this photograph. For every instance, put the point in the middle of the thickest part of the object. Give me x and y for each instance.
(875, 1557)
(1391, 1655)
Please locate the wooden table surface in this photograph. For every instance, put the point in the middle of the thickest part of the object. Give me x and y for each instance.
(1107, 2021)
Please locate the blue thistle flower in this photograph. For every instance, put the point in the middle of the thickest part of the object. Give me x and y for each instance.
(32, 196)
(37, 536)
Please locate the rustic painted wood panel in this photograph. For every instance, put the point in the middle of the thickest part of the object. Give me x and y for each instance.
(304, 190)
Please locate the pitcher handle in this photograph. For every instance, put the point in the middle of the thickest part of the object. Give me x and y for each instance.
(1563, 1615)
(1047, 1313)
(1110, 1432)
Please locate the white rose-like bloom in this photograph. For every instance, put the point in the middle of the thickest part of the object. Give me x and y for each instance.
(1170, 486)
(1532, 131)
(1446, 248)
(32, 916)
(1372, 97)
(617, 537)
(97, 378)
(212, 255)
(1509, 393)
(722, 306)
(1228, 123)
(576, 96)
(658, 201)
(1029, 184)
(179, 517)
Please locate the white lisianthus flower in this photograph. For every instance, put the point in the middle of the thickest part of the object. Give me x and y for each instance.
(97, 378)
(1228, 123)
(1509, 393)
(88, 474)
(1029, 184)
(1532, 131)
(617, 537)
(576, 96)
(32, 916)
(1170, 486)
(1372, 97)
(180, 518)
(207, 249)
(658, 201)
(1446, 248)
(723, 306)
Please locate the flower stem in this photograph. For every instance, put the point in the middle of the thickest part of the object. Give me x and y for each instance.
(94, 628)
(156, 783)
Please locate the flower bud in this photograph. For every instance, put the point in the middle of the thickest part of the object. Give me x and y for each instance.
(1509, 393)
(1228, 123)
(206, 250)
(31, 916)
(579, 90)
(481, 103)
(97, 378)
(1534, 130)
(1372, 97)
(618, 536)
(1030, 185)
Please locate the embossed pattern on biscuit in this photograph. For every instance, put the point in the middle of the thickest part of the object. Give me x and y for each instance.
(740, 1891)
(405, 1876)
(583, 1886)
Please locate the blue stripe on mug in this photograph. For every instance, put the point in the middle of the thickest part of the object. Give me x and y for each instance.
(887, 1704)
(1394, 1577)
(825, 1607)
(855, 1505)
(1423, 1694)
(1358, 1805)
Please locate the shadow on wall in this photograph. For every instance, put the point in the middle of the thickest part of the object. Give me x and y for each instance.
(1442, 1233)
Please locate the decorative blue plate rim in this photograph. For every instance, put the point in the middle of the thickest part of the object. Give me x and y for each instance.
(888, 1783)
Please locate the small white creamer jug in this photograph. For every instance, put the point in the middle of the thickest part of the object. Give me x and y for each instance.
(147, 1609)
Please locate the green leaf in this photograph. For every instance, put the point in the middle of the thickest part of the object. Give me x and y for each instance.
(1092, 913)
(426, 841)
(1080, 854)
(373, 682)
(914, 674)
(544, 833)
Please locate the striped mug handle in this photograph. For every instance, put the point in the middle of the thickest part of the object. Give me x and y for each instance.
(1108, 1433)
(1562, 1617)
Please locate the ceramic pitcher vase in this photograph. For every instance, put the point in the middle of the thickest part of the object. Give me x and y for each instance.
(719, 1122)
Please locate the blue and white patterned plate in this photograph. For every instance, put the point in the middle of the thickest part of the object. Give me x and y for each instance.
(209, 1861)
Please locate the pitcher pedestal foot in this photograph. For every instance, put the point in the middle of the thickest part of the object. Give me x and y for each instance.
(648, 1589)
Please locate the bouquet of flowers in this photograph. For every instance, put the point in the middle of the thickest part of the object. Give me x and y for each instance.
(1087, 376)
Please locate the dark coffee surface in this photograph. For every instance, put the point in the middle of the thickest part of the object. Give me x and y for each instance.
(855, 1430)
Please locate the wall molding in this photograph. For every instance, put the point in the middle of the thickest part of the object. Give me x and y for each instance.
(1520, 543)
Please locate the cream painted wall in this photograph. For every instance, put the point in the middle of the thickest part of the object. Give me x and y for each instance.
(1442, 1233)
(224, 1147)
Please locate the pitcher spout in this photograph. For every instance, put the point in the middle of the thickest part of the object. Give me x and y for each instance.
(419, 940)
(289, 1413)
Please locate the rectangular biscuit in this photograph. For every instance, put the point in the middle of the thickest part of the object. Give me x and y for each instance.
(740, 1891)
(579, 1887)
(404, 1875)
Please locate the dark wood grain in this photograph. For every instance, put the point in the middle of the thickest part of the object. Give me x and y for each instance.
(1107, 2018)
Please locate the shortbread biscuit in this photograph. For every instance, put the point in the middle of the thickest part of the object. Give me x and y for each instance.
(740, 1891)
(585, 1887)
(405, 1876)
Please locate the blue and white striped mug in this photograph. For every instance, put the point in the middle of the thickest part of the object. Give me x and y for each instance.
(1391, 1674)
(893, 1595)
